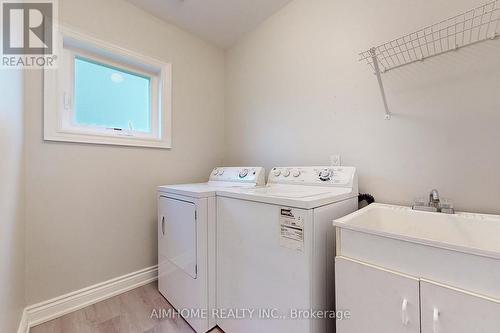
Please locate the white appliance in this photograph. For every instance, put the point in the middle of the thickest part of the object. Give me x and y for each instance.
(186, 242)
(276, 249)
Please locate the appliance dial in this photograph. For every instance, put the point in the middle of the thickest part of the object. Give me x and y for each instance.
(296, 173)
(276, 172)
(221, 172)
(243, 173)
(286, 173)
(216, 172)
(325, 175)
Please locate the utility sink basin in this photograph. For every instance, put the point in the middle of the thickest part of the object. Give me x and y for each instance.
(465, 232)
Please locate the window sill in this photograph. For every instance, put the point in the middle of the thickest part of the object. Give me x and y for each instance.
(106, 140)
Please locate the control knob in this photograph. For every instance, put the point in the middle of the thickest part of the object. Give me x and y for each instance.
(243, 173)
(325, 175)
(286, 173)
(296, 173)
(276, 172)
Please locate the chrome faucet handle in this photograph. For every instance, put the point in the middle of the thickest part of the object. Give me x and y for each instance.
(446, 207)
(420, 202)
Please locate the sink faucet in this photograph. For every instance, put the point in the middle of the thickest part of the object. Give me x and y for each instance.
(434, 199)
(434, 204)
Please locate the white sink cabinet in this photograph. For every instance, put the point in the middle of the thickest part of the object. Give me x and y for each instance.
(396, 271)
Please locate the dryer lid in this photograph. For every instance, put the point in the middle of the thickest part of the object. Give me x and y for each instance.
(226, 177)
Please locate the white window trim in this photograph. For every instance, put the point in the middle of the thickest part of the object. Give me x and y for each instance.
(57, 118)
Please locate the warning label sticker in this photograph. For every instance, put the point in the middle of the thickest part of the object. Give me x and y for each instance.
(292, 229)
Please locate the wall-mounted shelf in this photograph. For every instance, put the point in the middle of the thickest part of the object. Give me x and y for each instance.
(471, 27)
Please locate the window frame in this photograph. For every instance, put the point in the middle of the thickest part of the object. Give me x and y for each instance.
(59, 90)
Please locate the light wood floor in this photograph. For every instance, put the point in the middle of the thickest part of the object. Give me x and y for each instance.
(126, 313)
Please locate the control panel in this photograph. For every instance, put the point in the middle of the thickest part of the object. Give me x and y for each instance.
(321, 176)
(239, 175)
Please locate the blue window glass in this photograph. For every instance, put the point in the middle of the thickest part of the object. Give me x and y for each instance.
(110, 97)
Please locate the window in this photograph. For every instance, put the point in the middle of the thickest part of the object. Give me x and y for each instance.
(104, 94)
(111, 97)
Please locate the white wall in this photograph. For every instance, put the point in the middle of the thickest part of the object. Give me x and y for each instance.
(296, 94)
(12, 247)
(91, 210)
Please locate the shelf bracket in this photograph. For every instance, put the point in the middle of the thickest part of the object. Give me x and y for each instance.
(380, 83)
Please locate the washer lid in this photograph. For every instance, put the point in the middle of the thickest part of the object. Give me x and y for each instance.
(298, 196)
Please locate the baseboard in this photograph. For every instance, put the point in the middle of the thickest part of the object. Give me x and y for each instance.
(42, 312)
(23, 324)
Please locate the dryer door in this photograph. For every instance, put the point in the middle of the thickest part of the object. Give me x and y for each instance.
(178, 233)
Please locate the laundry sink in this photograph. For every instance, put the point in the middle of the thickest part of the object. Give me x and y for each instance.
(465, 232)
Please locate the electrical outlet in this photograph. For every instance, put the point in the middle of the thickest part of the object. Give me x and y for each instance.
(336, 160)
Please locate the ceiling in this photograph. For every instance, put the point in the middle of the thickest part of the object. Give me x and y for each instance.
(221, 22)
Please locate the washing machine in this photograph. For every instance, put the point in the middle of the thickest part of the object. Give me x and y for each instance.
(186, 242)
(276, 250)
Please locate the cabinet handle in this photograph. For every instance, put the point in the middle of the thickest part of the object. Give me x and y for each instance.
(163, 225)
(404, 313)
(435, 321)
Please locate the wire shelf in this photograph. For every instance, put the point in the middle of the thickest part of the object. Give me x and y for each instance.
(468, 28)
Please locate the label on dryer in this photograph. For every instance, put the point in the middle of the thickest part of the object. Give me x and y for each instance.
(291, 229)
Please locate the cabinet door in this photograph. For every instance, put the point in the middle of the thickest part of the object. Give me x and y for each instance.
(379, 301)
(446, 309)
(178, 234)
